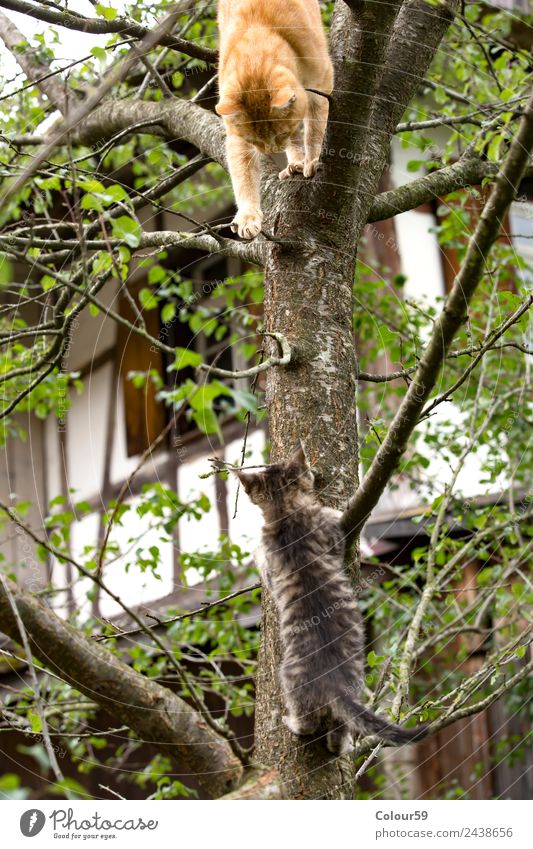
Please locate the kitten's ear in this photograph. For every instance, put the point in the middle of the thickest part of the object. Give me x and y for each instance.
(299, 457)
(282, 98)
(246, 479)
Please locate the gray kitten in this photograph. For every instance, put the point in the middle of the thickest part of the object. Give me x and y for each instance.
(321, 627)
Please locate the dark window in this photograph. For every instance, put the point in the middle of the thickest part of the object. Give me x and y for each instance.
(145, 417)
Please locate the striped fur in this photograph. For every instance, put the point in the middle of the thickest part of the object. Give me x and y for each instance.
(321, 627)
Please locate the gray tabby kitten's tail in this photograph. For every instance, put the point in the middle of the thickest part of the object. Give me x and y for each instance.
(368, 722)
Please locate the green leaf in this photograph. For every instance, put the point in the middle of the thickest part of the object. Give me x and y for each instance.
(148, 299)
(35, 720)
(10, 787)
(206, 420)
(374, 659)
(157, 274)
(207, 394)
(49, 183)
(494, 148)
(70, 788)
(47, 282)
(244, 400)
(185, 358)
(6, 271)
(92, 202)
(127, 229)
(168, 313)
(107, 12)
(98, 53)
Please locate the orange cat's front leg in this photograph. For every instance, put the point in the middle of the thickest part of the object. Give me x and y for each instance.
(295, 158)
(244, 169)
(314, 130)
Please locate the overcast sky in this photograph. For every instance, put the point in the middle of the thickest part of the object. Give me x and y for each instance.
(73, 45)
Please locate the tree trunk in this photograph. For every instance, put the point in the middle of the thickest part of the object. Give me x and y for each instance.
(309, 298)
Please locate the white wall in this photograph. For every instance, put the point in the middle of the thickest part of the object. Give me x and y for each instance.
(245, 528)
(418, 245)
(421, 257)
(86, 430)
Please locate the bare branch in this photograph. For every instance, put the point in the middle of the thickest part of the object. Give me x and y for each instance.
(438, 184)
(99, 26)
(5, 583)
(483, 704)
(487, 346)
(55, 89)
(247, 251)
(445, 329)
(444, 121)
(205, 242)
(173, 120)
(283, 360)
(199, 611)
(452, 94)
(368, 377)
(476, 351)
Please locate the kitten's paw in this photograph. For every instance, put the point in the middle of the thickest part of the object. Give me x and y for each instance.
(346, 746)
(340, 742)
(311, 166)
(247, 223)
(294, 725)
(292, 169)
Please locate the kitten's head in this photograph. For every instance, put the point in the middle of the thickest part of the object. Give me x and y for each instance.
(282, 487)
(264, 107)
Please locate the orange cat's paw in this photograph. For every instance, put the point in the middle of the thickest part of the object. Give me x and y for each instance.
(292, 169)
(247, 223)
(311, 167)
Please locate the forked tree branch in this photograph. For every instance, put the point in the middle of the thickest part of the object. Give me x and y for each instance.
(152, 711)
(418, 30)
(52, 87)
(283, 360)
(444, 331)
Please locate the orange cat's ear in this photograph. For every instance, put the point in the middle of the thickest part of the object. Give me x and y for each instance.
(226, 108)
(282, 98)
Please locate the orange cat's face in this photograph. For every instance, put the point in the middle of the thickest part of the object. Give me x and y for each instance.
(264, 111)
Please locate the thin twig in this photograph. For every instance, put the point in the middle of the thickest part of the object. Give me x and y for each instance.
(283, 360)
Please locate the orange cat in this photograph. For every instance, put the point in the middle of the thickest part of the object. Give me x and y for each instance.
(271, 51)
